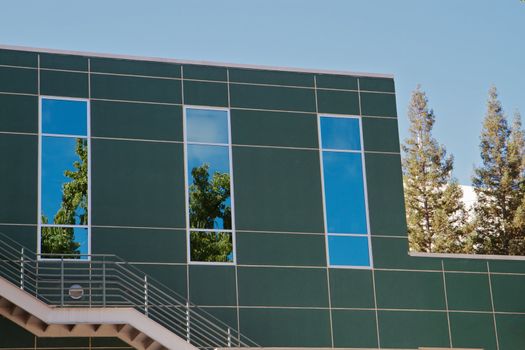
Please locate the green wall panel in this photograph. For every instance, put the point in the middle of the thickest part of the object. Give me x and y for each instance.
(120, 66)
(280, 249)
(136, 120)
(354, 329)
(137, 184)
(18, 171)
(137, 245)
(380, 135)
(330, 81)
(109, 343)
(212, 285)
(351, 288)
(255, 76)
(61, 343)
(510, 332)
(392, 253)
(509, 266)
(274, 128)
(205, 72)
(205, 94)
(473, 265)
(67, 62)
(277, 190)
(18, 113)
(286, 327)
(411, 330)
(473, 331)
(376, 104)
(508, 291)
(271, 97)
(135, 88)
(385, 194)
(172, 276)
(18, 58)
(376, 84)
(20, 80)
(338, 102)
(224, 317)
(410, 290)
(468, 292)
(58, 83)
(272, 286)
(23, 235)
(18, 337)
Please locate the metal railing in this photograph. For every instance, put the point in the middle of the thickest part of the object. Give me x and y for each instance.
(103, 280)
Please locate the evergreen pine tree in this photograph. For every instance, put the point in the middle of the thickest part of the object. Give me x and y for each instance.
(499, 184)
(435, 213)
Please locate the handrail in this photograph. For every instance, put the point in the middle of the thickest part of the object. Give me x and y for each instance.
(106, 280)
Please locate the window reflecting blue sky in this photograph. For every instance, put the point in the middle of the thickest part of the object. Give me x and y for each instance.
(58, 155)
(64, 117)
(206, 126)
(344, 192)
(340, 133)
(348, 250)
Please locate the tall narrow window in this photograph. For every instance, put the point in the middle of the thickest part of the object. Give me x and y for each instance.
(210, 207)
(63, 218)
(346, 220)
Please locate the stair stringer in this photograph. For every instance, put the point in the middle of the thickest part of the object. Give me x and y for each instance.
(45, 321)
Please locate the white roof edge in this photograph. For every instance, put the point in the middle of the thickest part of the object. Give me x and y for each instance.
(467, 256)
(207, 63)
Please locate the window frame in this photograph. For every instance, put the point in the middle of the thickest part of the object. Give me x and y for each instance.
(39, 205)
(361, 151)
(186, 187)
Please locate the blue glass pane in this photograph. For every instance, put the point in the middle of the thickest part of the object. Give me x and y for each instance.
(71, 242)
(209, 186)
(204, 125)
(340, 133)
(344, 192)
(64, 180)
(348, 250)
(64, 117)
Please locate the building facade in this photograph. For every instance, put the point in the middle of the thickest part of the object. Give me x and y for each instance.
(271, 198)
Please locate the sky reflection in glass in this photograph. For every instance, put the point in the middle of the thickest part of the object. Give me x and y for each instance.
(344, 193)
(210, 126)
(58, 155)
(64, 117)
(340, 133)
(348, 250)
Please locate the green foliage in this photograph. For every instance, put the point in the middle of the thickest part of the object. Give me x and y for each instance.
(208, 202)
(500, 184)
(61, 240)
(437, 220)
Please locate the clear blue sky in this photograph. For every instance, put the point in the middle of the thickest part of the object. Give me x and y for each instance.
(454, 48)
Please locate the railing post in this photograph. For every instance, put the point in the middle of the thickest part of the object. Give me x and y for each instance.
(37, 277)
(146, 294)
(188, 322)
(22, 268)
(229, 337)
(62, 281)
(103, 281)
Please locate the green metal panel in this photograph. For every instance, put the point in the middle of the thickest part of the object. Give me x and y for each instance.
(330, 81)
(265, 128)
(205, 72)
(115, 87)
(212, 285)
(172, 276)
(19, 174)
(473, 330)
(272, 286)
(380, 135)
(137, 184)
(205, 94)
(137, 245)
(18, 58)
(375, 104)
(351, 288)
(136, 120)
(376, 84)
(510, 331)
(58, 83)
(338, 102)
(508, 291)
(354, 329)
(20, 80)
(277, 190)
(67, 62)
(468, 292)
(272, 97)
(280, 249)
(147, 68)
(270, 77)
(18, 113)
(392, 253)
